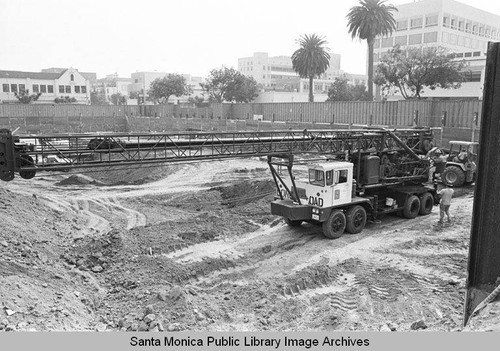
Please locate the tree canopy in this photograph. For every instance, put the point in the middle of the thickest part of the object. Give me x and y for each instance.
(227, 84)
(311, 59)
(341, 90)
(368, 20)
(118, 99)
(97, 98)
(172, 84)
(25, 97)
(409, 71)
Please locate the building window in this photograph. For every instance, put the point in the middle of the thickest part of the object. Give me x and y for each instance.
(415, 39)
(43, 88)
(472, 76)
(376, 44)
(84, 89)
(77, 89)
(431, 37)
(22, 87)
(5, 88)
(50, 89)
(446, 21)
(467, 27)
(431, 20)
(401, 40)
(468, 54)
(36, 88)
(481, 31)
(453, 23)
(476, 53)
(68, 89)
(61, 89)
(72, 78)
(387, 42)
(402, 25)
(416, 23)
(474, 29)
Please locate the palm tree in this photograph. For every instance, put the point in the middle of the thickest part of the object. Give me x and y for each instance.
(311, 59)
(368, 20)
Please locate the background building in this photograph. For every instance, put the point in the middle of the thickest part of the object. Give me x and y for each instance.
(280, 83)
(462, 29)
(68, 82)
(112, 84)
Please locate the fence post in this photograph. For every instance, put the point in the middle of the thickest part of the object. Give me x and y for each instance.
(443, 124)
(474, 126)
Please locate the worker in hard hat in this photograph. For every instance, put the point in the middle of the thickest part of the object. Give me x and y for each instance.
(438, 163)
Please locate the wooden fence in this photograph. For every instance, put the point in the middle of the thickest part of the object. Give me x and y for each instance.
(38, 118)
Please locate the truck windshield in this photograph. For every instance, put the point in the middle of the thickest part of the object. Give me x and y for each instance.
(316, 177)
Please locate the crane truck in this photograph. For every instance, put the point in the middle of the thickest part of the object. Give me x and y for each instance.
(361, 181)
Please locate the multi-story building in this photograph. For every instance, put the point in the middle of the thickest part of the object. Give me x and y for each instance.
(275, 74)
(68, 82)
(112, 84)
(462, 29)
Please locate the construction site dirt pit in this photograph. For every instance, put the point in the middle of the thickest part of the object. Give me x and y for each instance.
(194, 247)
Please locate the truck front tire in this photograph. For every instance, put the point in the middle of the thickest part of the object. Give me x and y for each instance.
(411, 207)
(356, 219)
(334, 227)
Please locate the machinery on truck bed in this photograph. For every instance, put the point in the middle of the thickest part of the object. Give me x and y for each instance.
(363, 180)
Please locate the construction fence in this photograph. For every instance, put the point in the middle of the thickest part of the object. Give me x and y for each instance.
(460, 116)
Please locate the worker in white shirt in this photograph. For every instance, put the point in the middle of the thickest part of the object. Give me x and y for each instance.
(445, 195)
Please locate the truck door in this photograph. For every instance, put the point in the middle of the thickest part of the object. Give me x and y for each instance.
(342, 187)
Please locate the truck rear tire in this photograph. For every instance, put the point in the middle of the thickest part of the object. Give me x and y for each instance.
(355, 219)
(453, 176)
(292, 223)
(411, 207)
(426, 204)
(334, 227)
(26, 160)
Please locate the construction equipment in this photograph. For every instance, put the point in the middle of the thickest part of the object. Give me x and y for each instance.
(364, 180)
(28, 155)
(460, 164)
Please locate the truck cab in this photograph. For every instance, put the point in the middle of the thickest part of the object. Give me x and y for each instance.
(329, 184)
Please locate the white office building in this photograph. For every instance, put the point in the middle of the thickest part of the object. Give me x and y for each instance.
(462, 29)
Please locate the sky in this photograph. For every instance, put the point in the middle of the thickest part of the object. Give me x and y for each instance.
(182, 36)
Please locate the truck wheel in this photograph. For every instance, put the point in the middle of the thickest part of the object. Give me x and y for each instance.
(292, 223)
(453, 176)
(426, 203)
(411, 207)
(26, 160)
(334, 227)
(356, 219)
